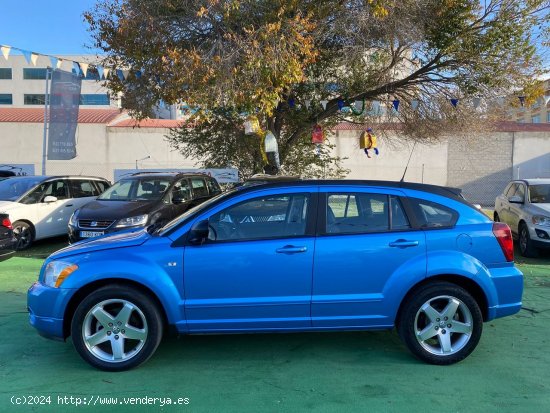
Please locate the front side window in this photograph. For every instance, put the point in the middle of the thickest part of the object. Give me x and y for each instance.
(357, 213)
(279, 216)
(181, 191)
(520, 192)
(14, 188)
(57, 189)
(512, 190)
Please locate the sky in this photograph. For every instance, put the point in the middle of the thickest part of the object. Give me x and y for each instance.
(54, 27)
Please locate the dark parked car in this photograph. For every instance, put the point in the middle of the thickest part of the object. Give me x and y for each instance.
(7, 239)
(7, 174)
(141, 200)
(288, 257)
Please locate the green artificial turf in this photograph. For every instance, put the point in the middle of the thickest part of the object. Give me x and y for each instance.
(321, 372)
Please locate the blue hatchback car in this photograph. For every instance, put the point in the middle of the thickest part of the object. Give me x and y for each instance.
(287, 257)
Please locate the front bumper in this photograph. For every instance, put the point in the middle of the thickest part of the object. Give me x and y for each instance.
(46, 307)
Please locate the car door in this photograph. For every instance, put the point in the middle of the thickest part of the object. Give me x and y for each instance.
(366, 249)
(254, 271)
(51, 217)
(515, 209)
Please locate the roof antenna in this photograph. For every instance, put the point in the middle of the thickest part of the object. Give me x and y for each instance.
(406, 167)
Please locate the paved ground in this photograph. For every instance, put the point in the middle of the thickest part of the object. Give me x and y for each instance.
(328, 372)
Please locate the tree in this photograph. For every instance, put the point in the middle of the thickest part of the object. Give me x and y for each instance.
(279, 59)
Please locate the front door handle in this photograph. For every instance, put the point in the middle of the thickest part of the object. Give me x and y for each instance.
(403, 243)
(290, 249)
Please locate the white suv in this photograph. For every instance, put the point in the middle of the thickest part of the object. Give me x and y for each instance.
(40, 206)
(525, 207)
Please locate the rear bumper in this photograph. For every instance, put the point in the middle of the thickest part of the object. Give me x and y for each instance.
(7, 248)
(46, 307)
(508, 282)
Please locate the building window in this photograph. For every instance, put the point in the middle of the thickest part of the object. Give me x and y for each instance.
(5, 73)
(6, 99)
(535, 119)
(94, 99)
(91, 74)
(34, 99)
(34, 74)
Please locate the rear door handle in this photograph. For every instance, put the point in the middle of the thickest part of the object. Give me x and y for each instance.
(403, 243)
(290, 249)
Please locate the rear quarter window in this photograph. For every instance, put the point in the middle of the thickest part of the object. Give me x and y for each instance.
(433, 215)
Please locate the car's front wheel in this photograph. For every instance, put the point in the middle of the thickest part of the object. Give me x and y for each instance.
(116, 328)
(526, 247)
(441, 323)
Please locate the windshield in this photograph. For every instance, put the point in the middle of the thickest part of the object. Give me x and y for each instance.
(137, 189)
(12, 189)
(539, 194)
(190, 212)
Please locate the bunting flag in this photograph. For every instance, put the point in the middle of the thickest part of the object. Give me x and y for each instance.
(76, 67)
(120, 74)
(5, 51)
(307, 103)
(100, 71)
(138, 74)
(359, 104)
(125, 73)
(291, 103)
(395, 104)
(521, 100)
(376, 108)
(340, 104)
(59, 63)
(53, 61)
(34, 58)
(27, 55)
(106, 71)
(414, 104)
(84, 67)
(324, 104)
(454, 102)
(546, 99)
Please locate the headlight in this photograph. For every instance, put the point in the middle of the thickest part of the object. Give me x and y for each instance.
(72, 219)
(56, 272)
(541, 220)
(139, 220)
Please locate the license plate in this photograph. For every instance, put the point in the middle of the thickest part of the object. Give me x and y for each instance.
(90, 234)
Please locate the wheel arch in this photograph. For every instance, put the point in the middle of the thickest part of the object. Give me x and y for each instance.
(85, 290)
(473, 288)
(32, 226)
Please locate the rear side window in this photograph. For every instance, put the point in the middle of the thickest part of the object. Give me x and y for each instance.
(357, 213)
(199, 188)
(433, 215)
(81, 188)
(102, 186)
(213, 187)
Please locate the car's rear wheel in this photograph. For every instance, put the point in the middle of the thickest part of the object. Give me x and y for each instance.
(24, 234)
(526, 247)
(116, 328)
(441, 323)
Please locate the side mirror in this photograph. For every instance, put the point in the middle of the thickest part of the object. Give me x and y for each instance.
(49, 199)
(178, 200)
(515, 199)
(198, 233)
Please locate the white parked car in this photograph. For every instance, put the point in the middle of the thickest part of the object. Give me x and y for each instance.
(40, 206)
(525, 207)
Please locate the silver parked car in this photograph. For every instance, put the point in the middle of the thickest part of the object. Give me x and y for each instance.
(525, 207)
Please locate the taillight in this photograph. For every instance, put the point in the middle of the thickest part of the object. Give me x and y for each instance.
(504, 237)
(7, 223)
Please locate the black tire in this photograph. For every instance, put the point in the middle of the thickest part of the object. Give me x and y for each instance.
(144, 319)
(24, 234)
(526, 247)
(496, 217)
(413, 319)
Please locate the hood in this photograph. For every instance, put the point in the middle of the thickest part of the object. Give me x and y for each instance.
(6, 206)
(543, 209)
(129, 238)
(112, 210)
